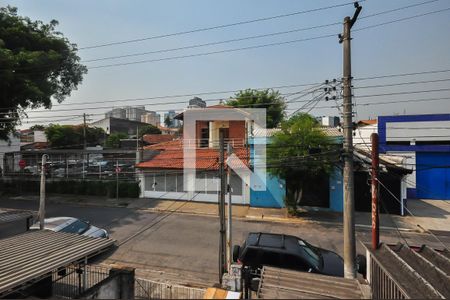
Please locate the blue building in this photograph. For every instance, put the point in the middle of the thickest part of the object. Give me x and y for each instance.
(275, 193)
(424, 141)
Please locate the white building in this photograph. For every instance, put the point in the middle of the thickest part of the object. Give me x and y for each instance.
(11, 145)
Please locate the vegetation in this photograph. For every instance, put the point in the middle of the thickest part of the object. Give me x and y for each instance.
(149, 129)
(271, 100)
(168, 121)
(71, 137)
(113, 140)
(37, 64)
(106, 188)
(300, 153)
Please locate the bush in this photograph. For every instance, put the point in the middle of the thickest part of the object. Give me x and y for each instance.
(127, 189)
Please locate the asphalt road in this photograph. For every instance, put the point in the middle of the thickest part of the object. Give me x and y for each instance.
(184, 248)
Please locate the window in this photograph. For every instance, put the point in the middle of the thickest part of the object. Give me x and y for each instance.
(290, 261)
(77, 227)
(312, 255)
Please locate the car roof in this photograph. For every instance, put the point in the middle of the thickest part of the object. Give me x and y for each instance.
(281, 242)
(55, 222)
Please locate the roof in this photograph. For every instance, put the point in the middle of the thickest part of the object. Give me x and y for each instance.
(387, 161)
(172, 157)
(157, 138)
(332, 131)
(419, 273)
(28, 257)
(367, 122)
(285, 284)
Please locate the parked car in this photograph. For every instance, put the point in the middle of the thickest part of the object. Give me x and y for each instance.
(72, 225)
(288, 252)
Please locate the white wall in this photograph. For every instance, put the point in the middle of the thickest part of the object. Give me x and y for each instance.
(418, 131)
(361, 139)
(8, 146)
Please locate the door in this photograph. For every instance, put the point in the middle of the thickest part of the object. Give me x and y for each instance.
(433, 175)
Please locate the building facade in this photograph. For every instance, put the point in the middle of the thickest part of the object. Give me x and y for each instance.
(152, 118)
(424, 142)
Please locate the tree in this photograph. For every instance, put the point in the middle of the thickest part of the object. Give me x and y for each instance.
(113, 140)
(271, 100)
(300, 153)
(168, 121)
(71, 137)
(37, 128)
(149, 129)
(37, 63)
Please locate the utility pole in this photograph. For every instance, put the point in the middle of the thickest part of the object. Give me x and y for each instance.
(349, 204)
(42, 193)
(84, 142)
(222, 205)
(229, 240)
(375, 209)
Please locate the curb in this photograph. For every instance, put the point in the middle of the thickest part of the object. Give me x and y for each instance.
(247, 217)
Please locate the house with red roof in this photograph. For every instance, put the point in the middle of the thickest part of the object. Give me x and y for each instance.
(162, 171)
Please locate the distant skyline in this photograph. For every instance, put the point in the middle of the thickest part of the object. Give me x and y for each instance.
(409, 46)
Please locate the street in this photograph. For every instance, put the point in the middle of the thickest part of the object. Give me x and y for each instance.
(183, 248)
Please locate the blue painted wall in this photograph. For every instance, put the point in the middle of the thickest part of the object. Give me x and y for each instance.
(433, 175)
(272, 197)
(336, 191)
(276, 187)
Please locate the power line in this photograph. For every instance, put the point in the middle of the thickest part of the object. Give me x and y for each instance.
(250, 37)
(213, 52)
(402, 19)
(213, 43)
(217, 26)
(401, 83)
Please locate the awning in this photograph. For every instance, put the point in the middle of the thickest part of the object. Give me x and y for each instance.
(31, 256)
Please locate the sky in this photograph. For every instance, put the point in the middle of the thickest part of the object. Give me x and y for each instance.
(415, 45)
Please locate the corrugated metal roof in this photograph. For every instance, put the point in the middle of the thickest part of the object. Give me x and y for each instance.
(7, 216)
(30, 256)
(421, 273)
(284, 284)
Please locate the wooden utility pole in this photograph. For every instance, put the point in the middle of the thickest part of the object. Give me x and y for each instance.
(42, 193)
(375, 202)
(222, 205)
(349, 205)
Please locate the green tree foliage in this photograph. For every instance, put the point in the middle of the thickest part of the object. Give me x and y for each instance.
(149, 129)
(271, 100)
(37, 127)
(113, 140)
(71, 137)
(168, 121)
(300, 153)
(37, 63)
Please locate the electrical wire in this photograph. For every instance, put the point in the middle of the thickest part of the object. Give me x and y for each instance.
(217, 26)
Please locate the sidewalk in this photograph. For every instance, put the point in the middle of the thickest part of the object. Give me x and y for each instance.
(433, 215)
(429, 214)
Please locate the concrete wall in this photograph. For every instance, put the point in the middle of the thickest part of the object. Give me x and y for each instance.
(119, 285)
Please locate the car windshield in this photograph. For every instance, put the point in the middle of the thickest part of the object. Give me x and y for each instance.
(313, 256)
(76, 227)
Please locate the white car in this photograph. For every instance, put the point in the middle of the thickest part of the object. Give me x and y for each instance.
(72, 225)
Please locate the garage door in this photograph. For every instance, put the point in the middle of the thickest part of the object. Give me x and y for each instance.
(433, 175)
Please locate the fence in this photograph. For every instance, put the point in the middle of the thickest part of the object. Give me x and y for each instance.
(382, 284)
(148, 289)
(70, 282)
